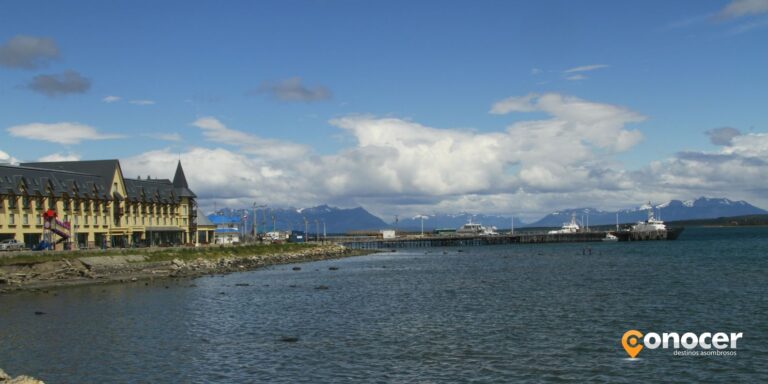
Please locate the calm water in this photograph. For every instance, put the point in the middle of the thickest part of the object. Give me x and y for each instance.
(487, 314)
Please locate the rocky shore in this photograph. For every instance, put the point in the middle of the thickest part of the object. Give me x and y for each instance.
(6, 379)
(131, 268)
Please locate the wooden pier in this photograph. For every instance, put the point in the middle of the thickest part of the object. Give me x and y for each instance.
(372, 242)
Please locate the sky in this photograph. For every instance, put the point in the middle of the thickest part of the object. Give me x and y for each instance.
(402, 107)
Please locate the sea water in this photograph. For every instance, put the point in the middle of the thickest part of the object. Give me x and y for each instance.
(539, 312)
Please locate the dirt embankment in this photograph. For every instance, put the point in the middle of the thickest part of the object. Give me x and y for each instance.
(127, 268)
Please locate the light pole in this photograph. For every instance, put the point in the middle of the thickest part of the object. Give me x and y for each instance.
(422, 217)
(325, 236)
(317, 230)
(306, 230)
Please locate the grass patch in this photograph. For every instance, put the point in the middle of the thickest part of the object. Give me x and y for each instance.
(157, 254)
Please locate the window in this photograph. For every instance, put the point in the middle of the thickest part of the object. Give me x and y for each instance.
(134, 220)
(77, 221)
(95, 220)
(38, 220)
(25, 219)
(12, 202)
(142, 221)
(183, 209)
(85, 218)
(105, 220)
(25, 202)
(184, 221)
(66, 218)
(11, 219)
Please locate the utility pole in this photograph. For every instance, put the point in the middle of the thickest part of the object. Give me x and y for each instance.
(396, 219)
(325, 235)
(317, 230)
(254, 229)
(306, 230)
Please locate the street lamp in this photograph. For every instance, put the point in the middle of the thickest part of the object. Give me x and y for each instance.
(422, 217)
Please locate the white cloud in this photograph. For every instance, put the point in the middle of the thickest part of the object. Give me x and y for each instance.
(60, 157)
(393, 165)
(164, 136)
(536, 71)
(514, 104)
(61, 133)
(5, 158)
(586, 68)
(111, 99)
(215, 131)
(142, 102)
(576, 77)
(740, 8)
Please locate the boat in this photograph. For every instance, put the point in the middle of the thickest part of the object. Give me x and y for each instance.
(651, 224)
(650, 229)
(476, 229)
(610, 237)
(571, 227)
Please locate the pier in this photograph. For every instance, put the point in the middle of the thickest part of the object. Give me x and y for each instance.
(373, 242)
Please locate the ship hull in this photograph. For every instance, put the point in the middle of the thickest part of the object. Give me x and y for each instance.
(669, 234)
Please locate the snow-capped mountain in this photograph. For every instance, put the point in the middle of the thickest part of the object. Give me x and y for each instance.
(701, 208)
(337, 220)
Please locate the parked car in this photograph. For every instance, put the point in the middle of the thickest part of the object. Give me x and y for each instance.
(11, 245)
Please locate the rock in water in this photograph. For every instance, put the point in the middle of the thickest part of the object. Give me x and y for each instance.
(289, 339)
(333, 268)
(4, 376)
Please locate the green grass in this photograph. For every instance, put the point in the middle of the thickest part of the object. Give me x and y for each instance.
(157, 254)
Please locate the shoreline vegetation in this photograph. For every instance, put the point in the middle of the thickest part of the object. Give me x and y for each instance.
(36, 271)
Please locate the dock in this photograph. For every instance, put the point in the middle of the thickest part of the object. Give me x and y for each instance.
(372, 242)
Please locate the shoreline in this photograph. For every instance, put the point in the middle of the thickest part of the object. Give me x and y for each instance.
(130, 268)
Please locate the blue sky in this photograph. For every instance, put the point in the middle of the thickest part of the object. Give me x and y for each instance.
(273, 90)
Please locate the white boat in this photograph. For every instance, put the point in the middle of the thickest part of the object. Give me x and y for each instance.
(475, 229)
(652, 224)
(571, 227)
(610, 237)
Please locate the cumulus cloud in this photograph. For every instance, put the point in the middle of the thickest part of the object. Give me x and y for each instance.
(597, 123)
(111, 99)
(392, 165)
(60, 157)
(61, 133)
(741, 8)
(293, 90)
(28, 52)
(60, 84)
(586, 68)
(722, 136)
(5, 158)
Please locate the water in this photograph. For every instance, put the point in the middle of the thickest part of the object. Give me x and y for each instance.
(488, 314)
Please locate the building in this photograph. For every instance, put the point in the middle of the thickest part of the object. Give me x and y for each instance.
(90, 204)
(227, 229)
(206, 230)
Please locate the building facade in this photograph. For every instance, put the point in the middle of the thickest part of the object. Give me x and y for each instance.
(90, 204)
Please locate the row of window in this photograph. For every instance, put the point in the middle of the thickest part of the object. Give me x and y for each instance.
(132, 208)
(39, 220)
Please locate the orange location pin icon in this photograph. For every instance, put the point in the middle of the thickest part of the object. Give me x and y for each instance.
(630, 342)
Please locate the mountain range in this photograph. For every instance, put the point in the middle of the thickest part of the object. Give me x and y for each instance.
(674, 210)
(337, 220)
(343, 220)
